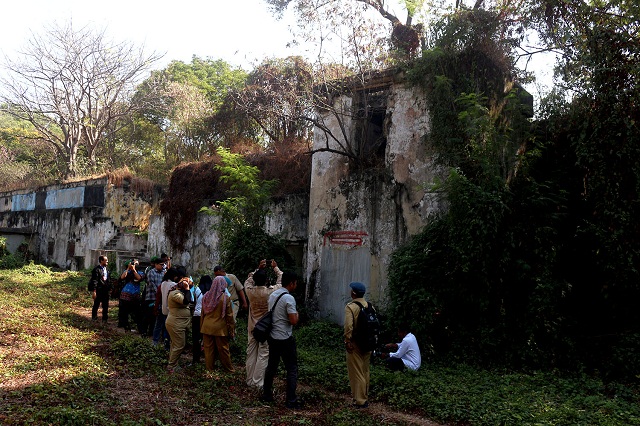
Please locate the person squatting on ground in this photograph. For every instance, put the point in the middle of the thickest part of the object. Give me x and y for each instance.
(129, 303)
(282, 344)
(100, 287)
(154, 276)
(407, 352)
(357, 360)
(217, 325)
(258, 294)
(235, 288)
(178, 319)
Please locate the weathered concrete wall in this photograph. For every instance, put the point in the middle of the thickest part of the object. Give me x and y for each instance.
(201, 251)
(287, 219)
(357, 219)
(67, 224)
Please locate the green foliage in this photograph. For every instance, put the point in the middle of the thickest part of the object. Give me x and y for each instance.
(243, 241)
(461, 394)
(213, 77)
(11, 261)
(246, 246)
(136, 356)
(189, 106)
(71, 371)
(248, 195)
(534, 264)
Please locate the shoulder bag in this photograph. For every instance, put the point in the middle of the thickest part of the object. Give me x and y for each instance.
(263, 327)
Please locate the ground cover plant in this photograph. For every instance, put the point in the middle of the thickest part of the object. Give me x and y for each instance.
(57, 367)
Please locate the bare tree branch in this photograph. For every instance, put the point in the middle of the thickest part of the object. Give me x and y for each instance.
(74, 85)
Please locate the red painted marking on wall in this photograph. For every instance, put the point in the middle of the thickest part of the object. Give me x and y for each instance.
(347, 238)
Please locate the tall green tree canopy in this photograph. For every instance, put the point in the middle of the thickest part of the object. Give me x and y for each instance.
(190, 105)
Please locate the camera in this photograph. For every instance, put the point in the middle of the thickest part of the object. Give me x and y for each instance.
(269, 262)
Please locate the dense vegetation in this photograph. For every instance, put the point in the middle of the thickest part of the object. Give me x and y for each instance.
(60, 368)
(535, 263)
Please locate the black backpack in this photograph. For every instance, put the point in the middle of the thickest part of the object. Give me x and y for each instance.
(366, 328)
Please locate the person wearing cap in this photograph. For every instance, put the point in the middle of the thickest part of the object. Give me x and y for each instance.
(154, 275)
(258, 294)
(235, 288)
(357, 360)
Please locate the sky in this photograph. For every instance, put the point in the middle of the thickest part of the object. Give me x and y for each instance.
(241, 32)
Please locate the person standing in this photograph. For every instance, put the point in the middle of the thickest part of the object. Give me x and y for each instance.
(178, 319)
(100, 287)
(217, 325)
(196, 302)
(235, 288)
(282, 344)
(357, 359)
(154, 279)
(169, 279)
(258, 294)
(129, 303)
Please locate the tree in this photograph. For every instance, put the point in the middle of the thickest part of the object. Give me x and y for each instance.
(25, 159)
(403, 36)
(189, 104)
(74, 87)
(279, 97)
(242, 214)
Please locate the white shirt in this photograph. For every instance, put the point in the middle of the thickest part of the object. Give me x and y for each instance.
(409, 352)
(164, 288)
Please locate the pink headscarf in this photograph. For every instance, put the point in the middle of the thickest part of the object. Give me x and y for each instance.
(215, 295)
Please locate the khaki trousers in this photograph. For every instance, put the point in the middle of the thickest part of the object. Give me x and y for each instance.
(177, 328)
(257, 358)
(217, 345)
(358, 369)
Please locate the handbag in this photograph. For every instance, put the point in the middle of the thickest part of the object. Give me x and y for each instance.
(263, 327)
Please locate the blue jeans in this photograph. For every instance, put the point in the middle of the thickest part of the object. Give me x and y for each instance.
(160, 331)
(285, 349)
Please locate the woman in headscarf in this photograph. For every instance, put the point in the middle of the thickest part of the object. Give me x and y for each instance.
(217, 325)
(178, 320)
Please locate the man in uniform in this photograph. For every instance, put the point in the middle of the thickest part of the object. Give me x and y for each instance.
(357, 360)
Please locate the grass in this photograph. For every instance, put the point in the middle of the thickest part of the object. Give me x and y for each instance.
(57, 367)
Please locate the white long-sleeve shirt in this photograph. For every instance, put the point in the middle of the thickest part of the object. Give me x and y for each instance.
(409, 352)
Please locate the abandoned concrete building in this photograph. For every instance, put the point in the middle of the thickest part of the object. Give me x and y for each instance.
(345, 229)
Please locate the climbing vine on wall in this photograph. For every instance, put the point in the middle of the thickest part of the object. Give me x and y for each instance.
(191, 187)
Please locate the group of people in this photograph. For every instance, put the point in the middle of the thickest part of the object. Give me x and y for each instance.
(170, 303)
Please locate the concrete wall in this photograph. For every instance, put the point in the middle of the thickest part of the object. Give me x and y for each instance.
(357, 219)
(69, 224)
(287, 219)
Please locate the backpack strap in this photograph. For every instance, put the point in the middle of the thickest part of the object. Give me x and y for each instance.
(353, 315)
(360, 304)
